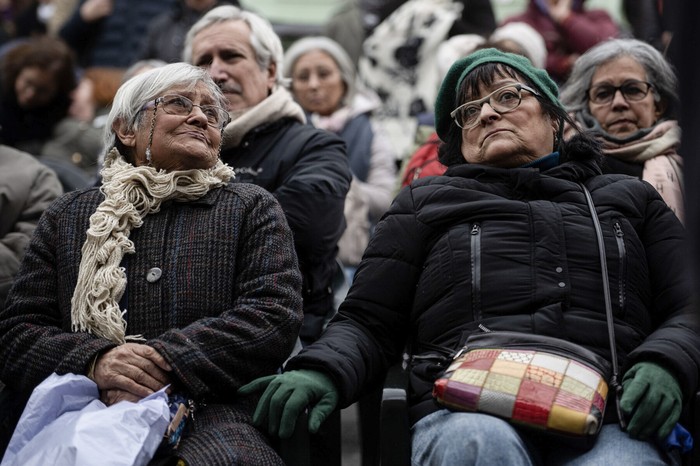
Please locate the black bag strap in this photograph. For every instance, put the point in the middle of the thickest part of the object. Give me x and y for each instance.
(614, 382)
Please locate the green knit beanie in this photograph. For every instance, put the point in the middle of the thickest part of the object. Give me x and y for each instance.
(446, 100)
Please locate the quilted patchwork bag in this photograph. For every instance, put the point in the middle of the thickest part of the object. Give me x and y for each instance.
(534, 381)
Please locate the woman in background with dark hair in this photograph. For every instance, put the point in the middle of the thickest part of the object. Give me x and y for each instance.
(37, 78)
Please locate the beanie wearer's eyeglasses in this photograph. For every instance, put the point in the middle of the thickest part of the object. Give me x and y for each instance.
(502, 100)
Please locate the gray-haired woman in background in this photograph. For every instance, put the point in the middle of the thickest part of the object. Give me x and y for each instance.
(625, 93)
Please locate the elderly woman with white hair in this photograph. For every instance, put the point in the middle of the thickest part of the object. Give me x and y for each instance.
(625, 93)
(323, 83)
(166, 275)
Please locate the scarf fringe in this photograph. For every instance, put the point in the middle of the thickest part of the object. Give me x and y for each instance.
(131, 193)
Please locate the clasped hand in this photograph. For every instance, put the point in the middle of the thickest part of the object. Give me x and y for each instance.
(287, 395)
(130, 372)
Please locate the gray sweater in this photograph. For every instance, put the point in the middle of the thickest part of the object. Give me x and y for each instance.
(27, 187)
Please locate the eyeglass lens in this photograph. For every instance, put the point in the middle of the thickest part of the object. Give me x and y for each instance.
(180, 105)
(502, 100)
(632, 91)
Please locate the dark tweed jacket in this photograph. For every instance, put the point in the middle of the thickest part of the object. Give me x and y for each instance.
(226, 309)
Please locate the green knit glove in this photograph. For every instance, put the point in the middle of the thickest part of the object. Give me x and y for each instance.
(287, 395)
(651, 401)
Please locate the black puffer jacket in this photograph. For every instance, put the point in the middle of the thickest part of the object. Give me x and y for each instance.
(513, 249)
(307, 170)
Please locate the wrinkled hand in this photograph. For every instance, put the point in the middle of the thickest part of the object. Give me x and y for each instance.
(287, 395)
(110, 397)
(132, 368)
(651, 401)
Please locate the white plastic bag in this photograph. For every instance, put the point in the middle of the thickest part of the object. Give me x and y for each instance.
(65, 423)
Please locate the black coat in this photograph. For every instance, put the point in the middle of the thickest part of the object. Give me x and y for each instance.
(513, 249)
(307, 170)
(28, 130)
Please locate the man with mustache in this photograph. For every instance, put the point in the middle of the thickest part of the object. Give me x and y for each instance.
(269, 143)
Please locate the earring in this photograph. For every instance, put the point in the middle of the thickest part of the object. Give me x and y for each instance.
(148, 156)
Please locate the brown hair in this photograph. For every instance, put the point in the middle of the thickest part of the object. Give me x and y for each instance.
(46, 53)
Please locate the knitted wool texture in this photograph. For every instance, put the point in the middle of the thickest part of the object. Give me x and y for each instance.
(131, 193)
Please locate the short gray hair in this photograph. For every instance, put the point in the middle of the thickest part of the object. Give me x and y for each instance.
(142, 88)
(332, 49)
(265, 42)
(574, 94)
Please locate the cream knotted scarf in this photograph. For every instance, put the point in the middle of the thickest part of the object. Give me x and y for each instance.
(131, 193)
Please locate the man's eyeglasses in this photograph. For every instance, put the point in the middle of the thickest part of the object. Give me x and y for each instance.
(174, 104)
(632, 91)
(502, 100)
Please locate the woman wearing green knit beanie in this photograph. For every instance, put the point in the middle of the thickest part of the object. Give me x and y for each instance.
(505, 241)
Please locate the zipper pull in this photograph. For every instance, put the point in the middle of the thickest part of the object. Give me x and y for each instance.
(483, 328)
(459, 353)
(191, 408)
(618, 230)
(475, 229)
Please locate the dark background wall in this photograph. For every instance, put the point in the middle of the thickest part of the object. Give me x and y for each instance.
(685, 54)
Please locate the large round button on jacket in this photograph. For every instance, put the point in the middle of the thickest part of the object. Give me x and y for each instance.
(153, 275)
